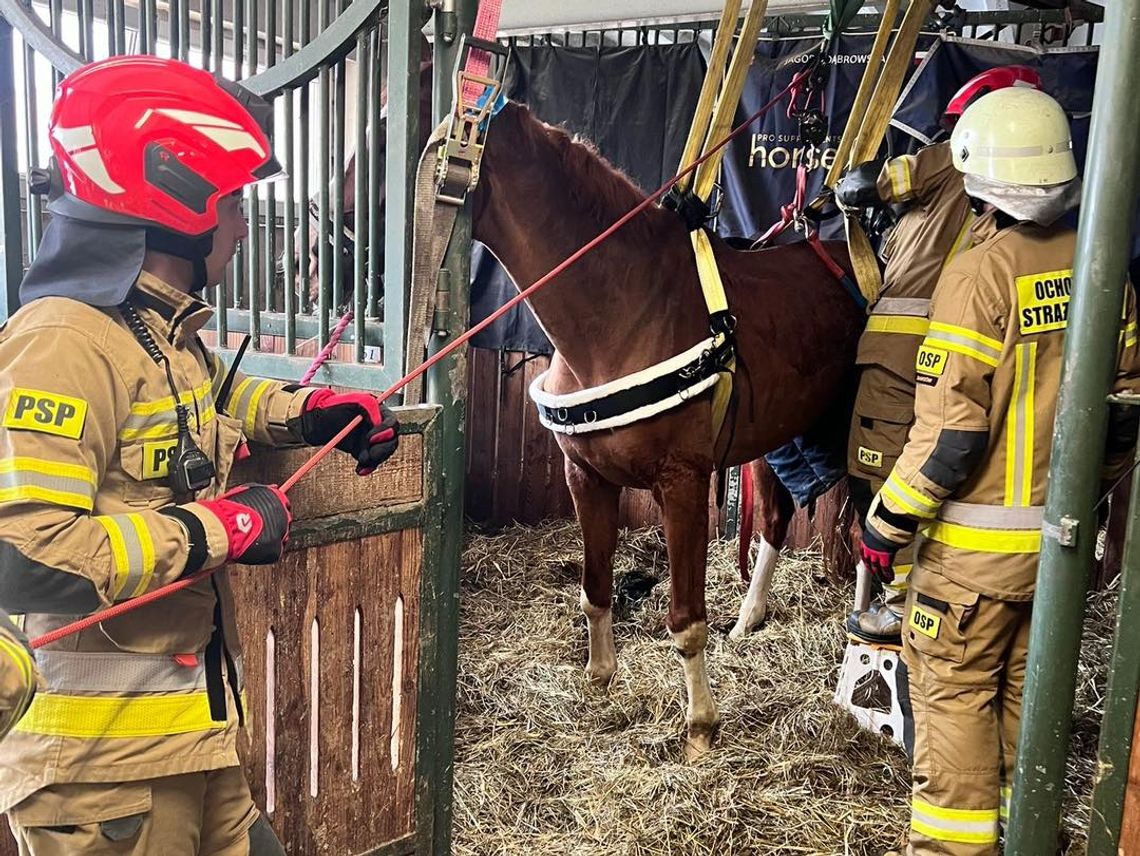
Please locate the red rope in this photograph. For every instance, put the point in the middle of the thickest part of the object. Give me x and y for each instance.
(171, 588)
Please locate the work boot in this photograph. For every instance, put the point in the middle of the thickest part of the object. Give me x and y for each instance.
(877, 625)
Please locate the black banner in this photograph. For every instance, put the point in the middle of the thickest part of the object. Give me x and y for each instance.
(760, 168)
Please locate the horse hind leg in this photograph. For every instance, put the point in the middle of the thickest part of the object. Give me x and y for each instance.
(776, 508)
(596, 504)
(683, 493)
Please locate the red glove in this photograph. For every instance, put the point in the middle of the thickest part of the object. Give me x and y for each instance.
(371, 443)
(256, 518)
(878, 556)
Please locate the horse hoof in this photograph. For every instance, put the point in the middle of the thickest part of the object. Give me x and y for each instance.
(698, 744)
(742, 628)
(600, 676)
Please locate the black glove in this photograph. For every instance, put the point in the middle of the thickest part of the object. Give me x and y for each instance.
(256, 518)
(371, 443)
(858, 187)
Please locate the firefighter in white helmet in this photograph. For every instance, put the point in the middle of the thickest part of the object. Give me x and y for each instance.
(972, 476)
(934, 227)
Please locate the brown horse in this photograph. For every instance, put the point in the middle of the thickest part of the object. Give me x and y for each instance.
(632, 303)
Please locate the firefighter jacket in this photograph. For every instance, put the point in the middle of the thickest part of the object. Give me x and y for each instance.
(934, 229)
(17, 674)
(87, 519)
(973, 474)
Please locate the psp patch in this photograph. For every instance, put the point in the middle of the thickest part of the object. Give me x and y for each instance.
(1043, 301)
(46, 412)
(870, 457)
(157, 455)
(929, 365)
(926, 623)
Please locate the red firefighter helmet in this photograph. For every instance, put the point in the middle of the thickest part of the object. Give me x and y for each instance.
(988, 81)
(157, 142)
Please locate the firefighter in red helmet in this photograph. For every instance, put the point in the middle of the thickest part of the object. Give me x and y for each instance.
(934, 228)
(118, 435)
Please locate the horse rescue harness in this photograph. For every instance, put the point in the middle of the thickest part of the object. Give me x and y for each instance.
(710, 364)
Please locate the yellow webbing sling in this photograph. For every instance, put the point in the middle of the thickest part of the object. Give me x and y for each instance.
(868, 121)
(716, 107)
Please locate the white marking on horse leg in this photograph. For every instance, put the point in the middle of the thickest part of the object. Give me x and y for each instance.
(602, 664)
(862, 587)
(754, 607)
(701, 715)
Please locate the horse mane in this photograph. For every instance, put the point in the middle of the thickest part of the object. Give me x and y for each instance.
(601, 190)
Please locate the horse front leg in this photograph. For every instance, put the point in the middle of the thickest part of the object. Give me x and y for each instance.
(596, 504)
(683, 492)
(775, 507)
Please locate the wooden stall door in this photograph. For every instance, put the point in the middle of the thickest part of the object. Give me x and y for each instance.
(332, 655)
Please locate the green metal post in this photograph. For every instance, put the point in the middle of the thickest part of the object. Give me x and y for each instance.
(1115, 750)
(1069, 531)
(447, 386)
(402, 154)
(11, 258)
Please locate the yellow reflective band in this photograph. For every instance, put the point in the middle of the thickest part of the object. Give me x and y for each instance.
(1128, 336)
(149, 408)
(1006, 799)
(965, 341)
(54, 497)
(962, 241)
(985, 540)
(1019, 440)
(118, 552)
(49, 468)
(71, 485)
(159, 426)
(963, 826)
(19, 655)
(906, 496)
(146, 543)
(250, 420)
(957, 836)
(100, 717)
(899, 172)
(906, 324)
(901, 573)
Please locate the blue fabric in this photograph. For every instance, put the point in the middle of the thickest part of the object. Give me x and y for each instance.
(807, 469)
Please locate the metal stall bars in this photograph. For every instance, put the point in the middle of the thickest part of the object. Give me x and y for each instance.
(1069, 531)
(401, 513)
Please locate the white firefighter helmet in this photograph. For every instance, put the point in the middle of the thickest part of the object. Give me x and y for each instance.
(1016, 135)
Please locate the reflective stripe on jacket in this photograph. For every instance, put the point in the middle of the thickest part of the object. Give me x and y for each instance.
(87, 431)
